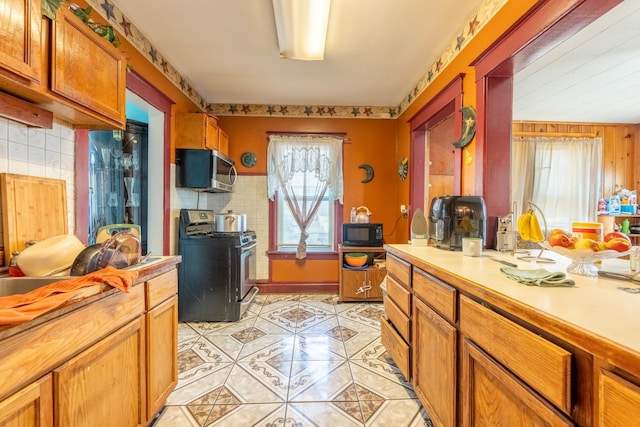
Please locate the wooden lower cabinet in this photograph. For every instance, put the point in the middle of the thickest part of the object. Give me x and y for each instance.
(435, 364)
(162, 360)
(30, 407)
(495, 397)
(361, 285)
(619, 401)
(104, 385)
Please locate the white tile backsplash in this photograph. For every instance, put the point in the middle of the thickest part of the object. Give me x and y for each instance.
(249, 197)
(37, 152)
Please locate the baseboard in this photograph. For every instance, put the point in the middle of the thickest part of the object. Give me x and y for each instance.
(290, 288)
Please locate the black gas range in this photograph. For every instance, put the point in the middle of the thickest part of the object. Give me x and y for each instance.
(216, 279)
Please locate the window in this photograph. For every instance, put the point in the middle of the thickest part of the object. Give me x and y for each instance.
(560, 175)
(320, 230)
(305, 180)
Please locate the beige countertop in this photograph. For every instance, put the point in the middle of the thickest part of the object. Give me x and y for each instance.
(595, 306)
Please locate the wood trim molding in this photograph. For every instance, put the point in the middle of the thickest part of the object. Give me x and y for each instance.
(439, 102)
(25, 112)
(145, 90)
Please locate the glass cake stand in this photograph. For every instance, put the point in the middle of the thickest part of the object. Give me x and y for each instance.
(582, 260)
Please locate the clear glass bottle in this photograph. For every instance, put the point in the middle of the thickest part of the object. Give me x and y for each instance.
(353, 215)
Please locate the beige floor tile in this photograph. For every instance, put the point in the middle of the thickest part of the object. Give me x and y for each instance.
(402, 412)
(370, 385)
(198, 382)
(324, 414)
(261, 414)
(176, 416)
(320, 380)
(319, 347)
(260, 381)
(268, 347)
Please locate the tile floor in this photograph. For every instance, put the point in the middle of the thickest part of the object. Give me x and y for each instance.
(293, 360)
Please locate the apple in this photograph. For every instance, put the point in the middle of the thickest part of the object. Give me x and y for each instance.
(616, 234)
(560, 239)
(619, 244)
(587, 244)
(558, 231)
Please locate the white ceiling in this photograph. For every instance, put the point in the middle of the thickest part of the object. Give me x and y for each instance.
(592, 77)
(376, 50)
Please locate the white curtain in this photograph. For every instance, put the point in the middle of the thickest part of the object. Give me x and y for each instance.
(316, 161)
(560, 175)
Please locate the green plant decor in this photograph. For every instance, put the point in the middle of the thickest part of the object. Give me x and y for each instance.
(50, 7)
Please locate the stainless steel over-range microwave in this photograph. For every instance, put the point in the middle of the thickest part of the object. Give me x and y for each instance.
(204, 170)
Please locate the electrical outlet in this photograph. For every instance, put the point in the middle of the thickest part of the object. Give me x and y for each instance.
(404, 211)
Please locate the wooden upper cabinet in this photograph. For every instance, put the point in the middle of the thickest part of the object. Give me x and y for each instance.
(197, 130)
(86, 68)
(20, 43)
(223, 142)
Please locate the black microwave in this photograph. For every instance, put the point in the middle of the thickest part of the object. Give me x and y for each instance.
(361, 234)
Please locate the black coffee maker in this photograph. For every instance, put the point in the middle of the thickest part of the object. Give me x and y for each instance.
(453, 217)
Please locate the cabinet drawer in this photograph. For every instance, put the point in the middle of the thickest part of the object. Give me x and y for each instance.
(440, 296)
(619, 401)
(399, 320)
(399, 294)
(540, 363)
(397, 348)
(161, 288)
(399, 269)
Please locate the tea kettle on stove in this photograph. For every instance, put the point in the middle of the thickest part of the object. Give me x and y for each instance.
(362, 214)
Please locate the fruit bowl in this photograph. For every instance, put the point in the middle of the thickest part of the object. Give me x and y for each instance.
(355, 259)
(583, 259)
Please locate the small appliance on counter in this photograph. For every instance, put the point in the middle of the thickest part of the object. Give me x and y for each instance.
(506, 237)
(419, 229)
(361, 234)
(453, 217)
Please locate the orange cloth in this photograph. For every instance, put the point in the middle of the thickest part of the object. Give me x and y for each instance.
(16, 309)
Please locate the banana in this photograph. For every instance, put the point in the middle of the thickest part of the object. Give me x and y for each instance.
(535, 232)
(524, 224)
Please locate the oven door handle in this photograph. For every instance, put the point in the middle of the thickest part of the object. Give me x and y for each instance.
(251, 246)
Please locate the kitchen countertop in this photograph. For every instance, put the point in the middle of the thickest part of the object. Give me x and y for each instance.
(593, 308)
(157, 265)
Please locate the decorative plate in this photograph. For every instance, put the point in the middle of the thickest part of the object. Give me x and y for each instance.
(248, 159)
(403, 168)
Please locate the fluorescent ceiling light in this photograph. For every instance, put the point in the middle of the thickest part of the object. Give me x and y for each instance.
(302, 28)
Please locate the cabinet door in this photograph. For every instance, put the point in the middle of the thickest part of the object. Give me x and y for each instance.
(162, 354)
(223, 142)
(104, 385)
(87, 69)
(434, 364)
(211, 139)
(20, 28)
(619, 401)
(30, 407)
(374, 278)
(492, 396)
(351, 282)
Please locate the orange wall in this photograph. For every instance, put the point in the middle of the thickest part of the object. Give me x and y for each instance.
(368, 141)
